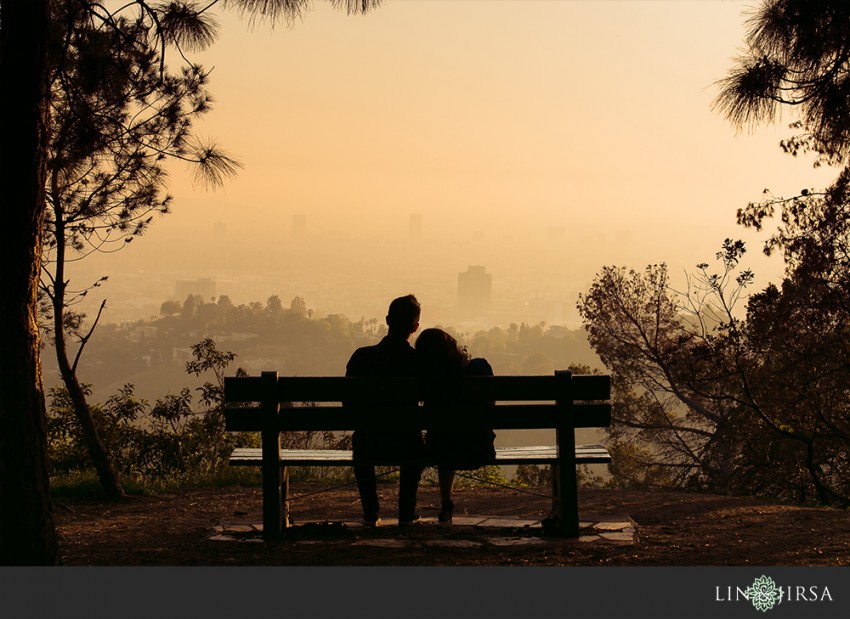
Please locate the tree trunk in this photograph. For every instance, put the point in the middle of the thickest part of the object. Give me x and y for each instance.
(27, 530)
(97, 451)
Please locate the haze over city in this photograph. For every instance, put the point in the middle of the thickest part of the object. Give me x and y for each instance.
(386, 153)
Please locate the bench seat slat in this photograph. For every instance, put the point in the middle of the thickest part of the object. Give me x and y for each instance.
(585, 454)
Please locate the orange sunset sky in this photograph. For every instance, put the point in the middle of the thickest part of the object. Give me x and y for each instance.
(496, 120)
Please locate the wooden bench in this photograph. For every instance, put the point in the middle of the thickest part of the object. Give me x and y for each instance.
(562, 402)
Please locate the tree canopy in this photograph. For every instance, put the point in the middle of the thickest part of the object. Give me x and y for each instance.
(756, 401)
(797, 55)
(116, 114)
(709, 400)
(27, 533)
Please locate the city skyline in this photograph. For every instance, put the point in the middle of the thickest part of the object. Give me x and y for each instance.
(543, 140)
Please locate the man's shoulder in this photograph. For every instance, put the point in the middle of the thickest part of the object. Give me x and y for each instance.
(364, 351)
(385, 357)
(361, 359)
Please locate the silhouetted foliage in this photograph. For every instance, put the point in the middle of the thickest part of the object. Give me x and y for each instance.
(171, 439)
(707, 400)
(116, 115)
(25, 70)
(753, 403)
(797, 57)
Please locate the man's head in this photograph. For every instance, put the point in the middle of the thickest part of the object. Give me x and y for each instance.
(403, 316)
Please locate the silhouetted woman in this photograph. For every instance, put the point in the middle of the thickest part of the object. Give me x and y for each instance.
(439, 355)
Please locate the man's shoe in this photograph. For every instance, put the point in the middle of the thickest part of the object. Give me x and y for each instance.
(406, 521)
(371, 521)
(445, 516)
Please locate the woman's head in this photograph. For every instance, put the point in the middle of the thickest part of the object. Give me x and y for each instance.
(439, 352)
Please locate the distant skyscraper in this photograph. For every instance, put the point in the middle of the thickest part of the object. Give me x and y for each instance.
(474, 291)
(299, 224)
(219, 230)
(416, 227)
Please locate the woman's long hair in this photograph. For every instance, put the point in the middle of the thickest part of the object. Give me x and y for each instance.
(439, 353)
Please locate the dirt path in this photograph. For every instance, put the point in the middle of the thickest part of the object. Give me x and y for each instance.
(673, 529)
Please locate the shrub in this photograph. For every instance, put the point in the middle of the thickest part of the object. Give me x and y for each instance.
(167, 444)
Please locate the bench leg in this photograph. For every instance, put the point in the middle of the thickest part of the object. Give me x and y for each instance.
(564, 504)
(554, 471)
(565, 475)
(284, 496)
(272, 496)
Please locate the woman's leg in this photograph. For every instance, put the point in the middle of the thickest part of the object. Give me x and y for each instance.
(446, 478)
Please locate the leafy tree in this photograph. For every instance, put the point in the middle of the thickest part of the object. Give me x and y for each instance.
(647, 335)
(25, 509)
(797, 56)
(168, 441)
(802, 327)
(298, 305)
(116, 114)
(708, 400)
(274, 306)
(170, 308)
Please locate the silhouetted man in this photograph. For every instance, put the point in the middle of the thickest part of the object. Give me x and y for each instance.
(392, 356)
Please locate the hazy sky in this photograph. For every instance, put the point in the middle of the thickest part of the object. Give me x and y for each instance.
(497, 120)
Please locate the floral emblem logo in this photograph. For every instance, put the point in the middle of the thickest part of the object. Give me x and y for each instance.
(763, 593)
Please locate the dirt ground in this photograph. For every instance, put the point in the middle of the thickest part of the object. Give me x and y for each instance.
(672, 529)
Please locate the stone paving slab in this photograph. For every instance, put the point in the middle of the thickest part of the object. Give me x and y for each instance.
(383, 543)
(596, 528)
(516, 541)
(455, 543)
(508, 523)
(468, 520)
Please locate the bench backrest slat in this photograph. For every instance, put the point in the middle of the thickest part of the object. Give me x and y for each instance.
(515, 416)
(340, 388)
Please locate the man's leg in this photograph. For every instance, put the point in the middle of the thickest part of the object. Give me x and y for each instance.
(409, 476)
(446, 477)
(367, 485)
(364, 472)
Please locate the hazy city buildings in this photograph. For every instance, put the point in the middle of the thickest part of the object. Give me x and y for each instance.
(474, 292)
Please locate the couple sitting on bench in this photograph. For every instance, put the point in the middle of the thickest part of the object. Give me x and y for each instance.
(436, 354)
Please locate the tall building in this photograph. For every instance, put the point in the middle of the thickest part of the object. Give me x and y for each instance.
(474, 291)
